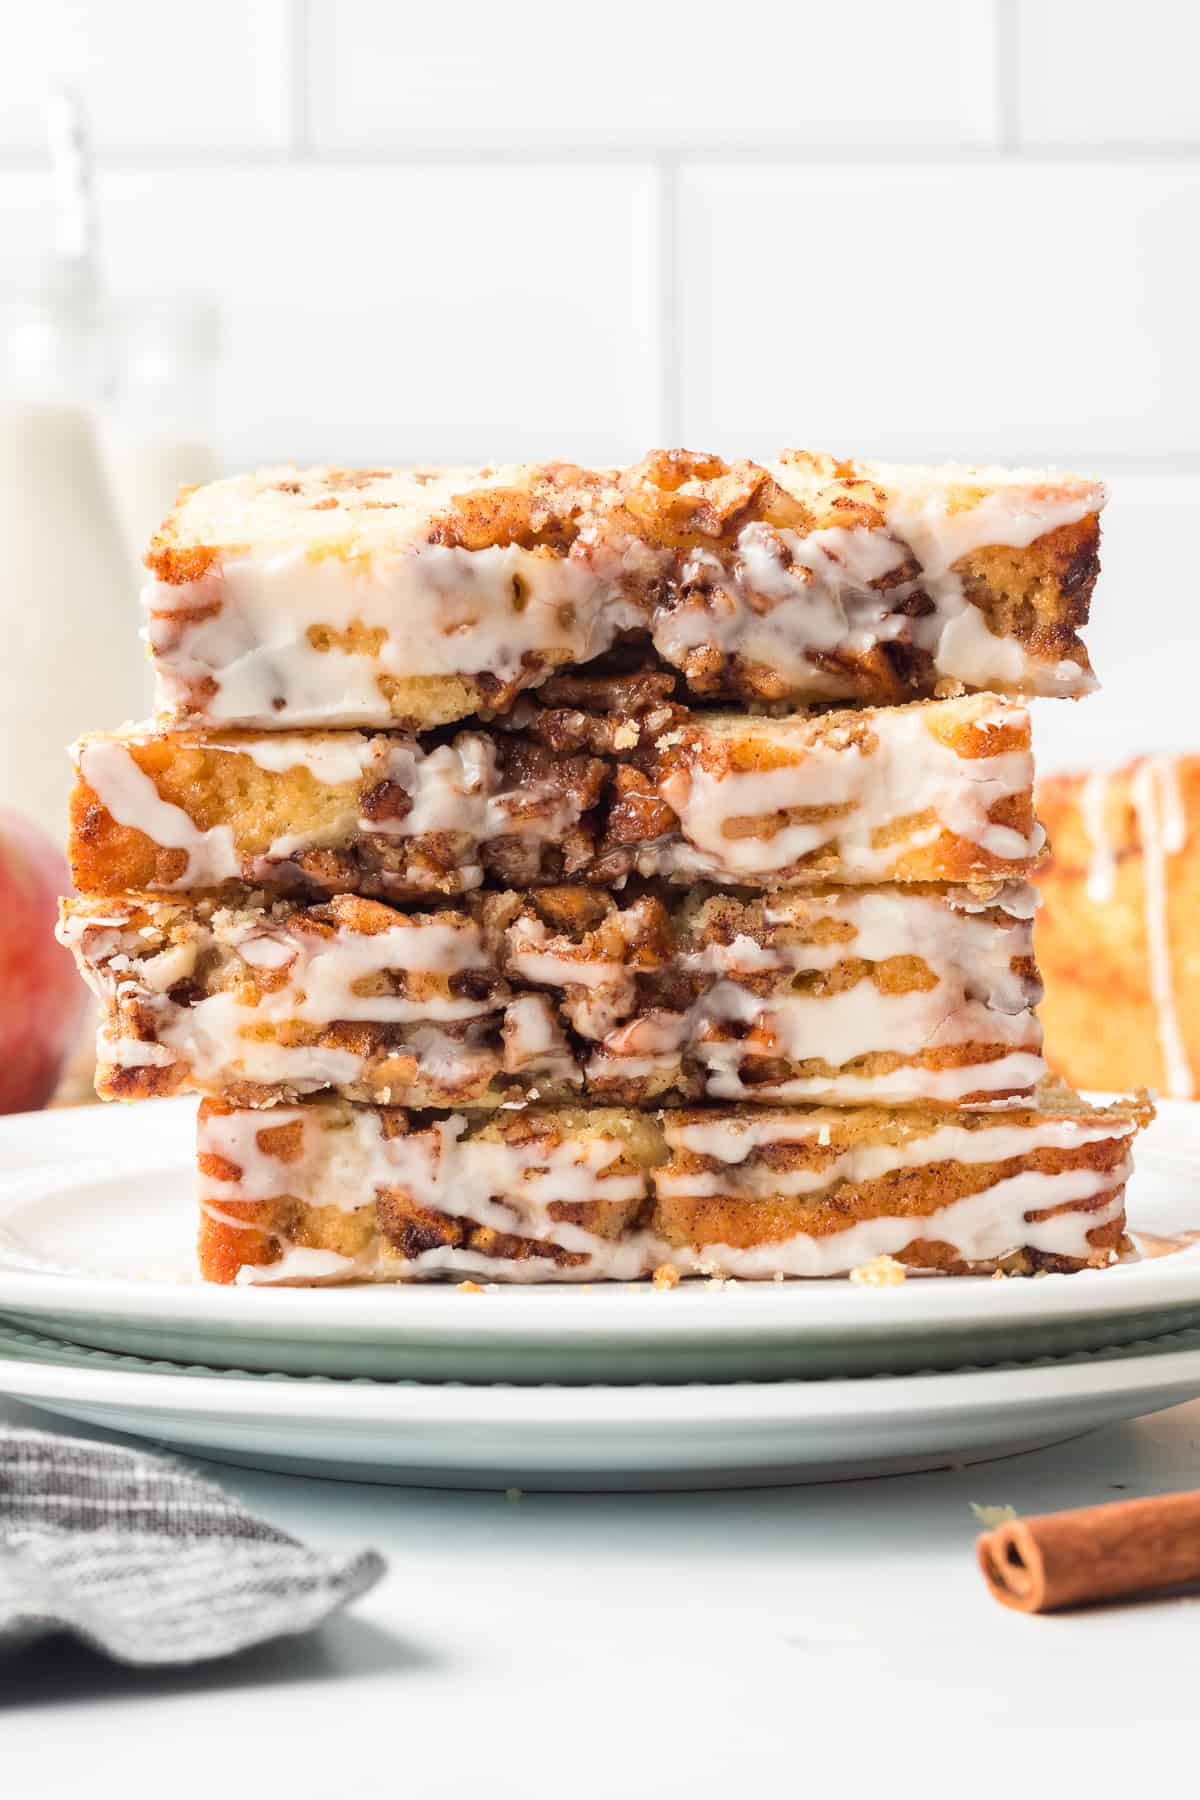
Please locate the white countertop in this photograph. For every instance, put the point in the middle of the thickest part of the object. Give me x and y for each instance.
(746, 1643)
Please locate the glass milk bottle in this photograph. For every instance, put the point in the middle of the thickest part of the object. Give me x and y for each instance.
(72, 660)
(158, 425)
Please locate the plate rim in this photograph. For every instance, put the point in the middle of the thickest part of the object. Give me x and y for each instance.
(423, 1314)
(1158, 1366)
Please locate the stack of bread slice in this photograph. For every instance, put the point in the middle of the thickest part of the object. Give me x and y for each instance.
(558, 874)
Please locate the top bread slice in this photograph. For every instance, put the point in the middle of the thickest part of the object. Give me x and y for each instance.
(380, 597)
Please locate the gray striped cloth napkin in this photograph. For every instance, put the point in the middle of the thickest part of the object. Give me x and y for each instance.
(145, 1561)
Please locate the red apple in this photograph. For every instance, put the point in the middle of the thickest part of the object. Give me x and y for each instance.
(41, 996)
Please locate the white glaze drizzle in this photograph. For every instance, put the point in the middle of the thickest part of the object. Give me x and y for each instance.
(437, 611)
(1102, 862)
(221, 1033)
(299, 1266)
(824, 596)
(1010, 517)
(345, 1159)
(535, 1042)
(909, 772)
(1014, 1073)
(982, 1227)
(736, 1143)
(132, 799)
(458, 787)
(333, 759)
(1174, 814)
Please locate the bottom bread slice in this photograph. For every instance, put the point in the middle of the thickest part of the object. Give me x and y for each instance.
(326, 1191)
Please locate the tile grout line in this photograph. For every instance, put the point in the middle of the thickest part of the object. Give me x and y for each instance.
(299, 148)
(670, 383)
(801, 158)
(1006, 56)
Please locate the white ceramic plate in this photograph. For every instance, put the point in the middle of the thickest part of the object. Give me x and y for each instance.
(696, 1435)
(97, 1222)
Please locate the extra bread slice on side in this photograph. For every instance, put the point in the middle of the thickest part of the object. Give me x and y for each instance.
(1118, 932)
(373, 597)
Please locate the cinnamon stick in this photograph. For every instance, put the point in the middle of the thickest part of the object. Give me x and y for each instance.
(1112, 1552)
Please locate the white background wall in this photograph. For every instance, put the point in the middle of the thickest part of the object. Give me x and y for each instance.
(906, 227)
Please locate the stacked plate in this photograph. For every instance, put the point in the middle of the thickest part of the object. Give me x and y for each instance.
(706, 1384)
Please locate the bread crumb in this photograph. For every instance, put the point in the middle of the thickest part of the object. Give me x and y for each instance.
(666, 1276)
(669, 740)
(881, 1271)
(779, 1275)
(469, 1287)
(625, 737)
(991, 1516)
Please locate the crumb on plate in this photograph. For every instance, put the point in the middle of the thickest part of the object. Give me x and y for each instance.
(881, 1271)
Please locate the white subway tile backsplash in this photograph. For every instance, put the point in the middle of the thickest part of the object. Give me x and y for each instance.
(1008, 309)
(374, 313)
(785, 72)
(156, 74)
(1107, 74)
(547, 284)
